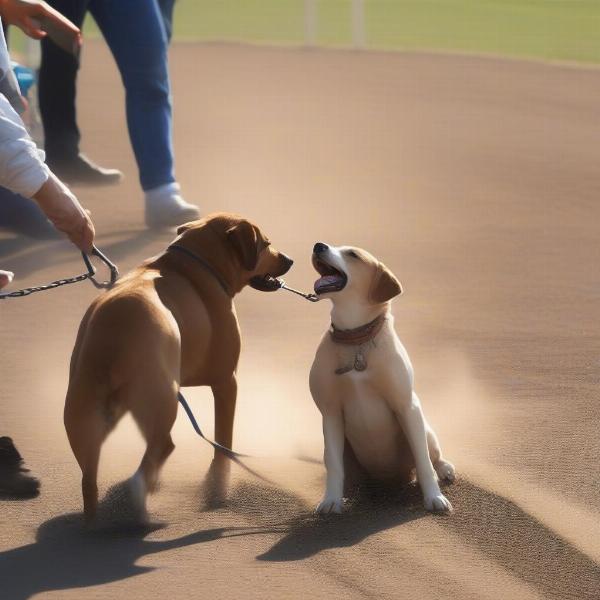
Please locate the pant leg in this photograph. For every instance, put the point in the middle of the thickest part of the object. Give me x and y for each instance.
(136, 35)
(166, 9)
(22, 215)
(57, 89)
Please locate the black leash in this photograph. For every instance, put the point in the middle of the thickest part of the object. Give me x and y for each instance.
(226, 451)
(91, 272)
(232, 455)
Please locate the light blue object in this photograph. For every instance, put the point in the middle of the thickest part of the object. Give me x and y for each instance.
(25, 77)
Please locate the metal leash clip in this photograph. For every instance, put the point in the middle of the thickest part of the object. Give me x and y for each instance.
(309, 297)
(114, 274)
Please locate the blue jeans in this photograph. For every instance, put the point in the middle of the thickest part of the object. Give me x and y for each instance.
(138, 34)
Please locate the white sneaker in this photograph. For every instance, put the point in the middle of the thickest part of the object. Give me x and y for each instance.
(166, 208)
(5, 278)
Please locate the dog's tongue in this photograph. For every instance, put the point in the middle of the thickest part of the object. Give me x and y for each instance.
(327, 281)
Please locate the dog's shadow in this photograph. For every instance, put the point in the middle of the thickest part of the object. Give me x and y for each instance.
(374, 509)
(494, 526)
(67, 555)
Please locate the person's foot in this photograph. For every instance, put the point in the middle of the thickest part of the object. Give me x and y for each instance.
(166, 208)
(15, 481)
(5, 278)
(81, 170)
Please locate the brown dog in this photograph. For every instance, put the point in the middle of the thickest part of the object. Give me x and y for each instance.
(171, 322)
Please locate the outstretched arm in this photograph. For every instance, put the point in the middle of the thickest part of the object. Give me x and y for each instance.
(23, 171)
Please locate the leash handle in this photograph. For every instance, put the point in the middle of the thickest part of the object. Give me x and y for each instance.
(114, 271)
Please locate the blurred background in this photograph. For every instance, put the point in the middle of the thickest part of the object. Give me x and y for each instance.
(550, 29)
(457, 140)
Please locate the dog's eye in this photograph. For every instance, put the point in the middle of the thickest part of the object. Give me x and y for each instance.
(352, 254)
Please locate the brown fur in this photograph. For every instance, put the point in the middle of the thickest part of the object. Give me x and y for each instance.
(168, 323)
(385, 286)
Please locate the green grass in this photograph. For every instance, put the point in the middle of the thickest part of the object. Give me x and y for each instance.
(549, 29)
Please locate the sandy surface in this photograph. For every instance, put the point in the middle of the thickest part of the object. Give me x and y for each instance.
(477, 182)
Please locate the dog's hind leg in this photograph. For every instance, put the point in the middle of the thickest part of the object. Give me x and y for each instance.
(443, 468)
(154, 412)
(86, 432)
(354, 473)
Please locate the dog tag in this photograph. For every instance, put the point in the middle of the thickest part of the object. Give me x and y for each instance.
(360, 363)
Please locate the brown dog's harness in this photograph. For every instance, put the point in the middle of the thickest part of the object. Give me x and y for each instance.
(359, 337)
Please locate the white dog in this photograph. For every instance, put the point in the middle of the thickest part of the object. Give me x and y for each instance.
(362, 382)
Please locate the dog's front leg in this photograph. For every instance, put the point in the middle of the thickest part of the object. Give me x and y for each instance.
(413, 423)
(217, 479)
(333, 434)
(225, 397)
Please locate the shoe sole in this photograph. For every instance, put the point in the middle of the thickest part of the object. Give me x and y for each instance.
(88, 183)
(155, 223)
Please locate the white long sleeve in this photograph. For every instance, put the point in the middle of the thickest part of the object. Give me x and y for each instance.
(22, 169)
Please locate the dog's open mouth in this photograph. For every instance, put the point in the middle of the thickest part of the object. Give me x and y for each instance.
(331, 280)
(265, 283)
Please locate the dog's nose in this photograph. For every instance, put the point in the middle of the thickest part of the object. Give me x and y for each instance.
(287, 260)
(320, 247)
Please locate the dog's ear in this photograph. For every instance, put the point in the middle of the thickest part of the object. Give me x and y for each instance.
(385, 286)
(244, 239)
(183, 228)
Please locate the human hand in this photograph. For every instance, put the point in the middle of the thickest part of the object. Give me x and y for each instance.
(66, 214)
(5, 278)
(32, 15)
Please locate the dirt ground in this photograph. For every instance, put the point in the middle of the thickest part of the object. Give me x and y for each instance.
(477, 182)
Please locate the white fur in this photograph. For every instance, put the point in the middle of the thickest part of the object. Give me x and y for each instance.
(375, 409)
(139, 491)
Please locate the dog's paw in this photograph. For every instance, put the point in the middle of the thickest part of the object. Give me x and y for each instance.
(330, 505)
(438, 503)
(445, 471)
(138, 491)
(215, 485)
